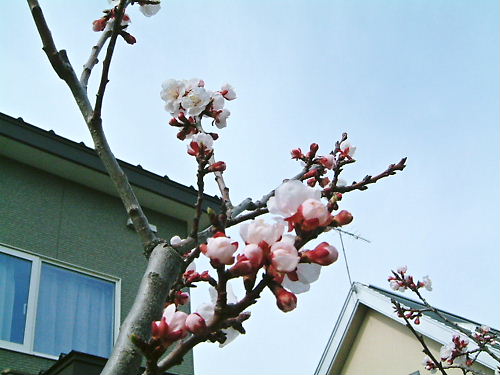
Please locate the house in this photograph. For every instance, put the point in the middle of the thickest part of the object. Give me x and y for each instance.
(369, 338)
(69, 263)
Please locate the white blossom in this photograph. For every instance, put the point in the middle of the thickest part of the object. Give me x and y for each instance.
(221, 118)
(306, 273)
(315, 209)
(289, 196)
(175, 240)
(195, 101)
(206, 311)
(427, 283)
(284, 256)
(228, 92)
(258, 230)
(149, 9)
(347, 149)
(220, 249)
(172, 93)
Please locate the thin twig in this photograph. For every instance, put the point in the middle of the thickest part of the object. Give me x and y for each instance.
(224, 190)
(457, 327)
(176, 355)
(93, 60)
(362, 185)
(65, 71)
(419, 337)
(120, 11)
(199, 198)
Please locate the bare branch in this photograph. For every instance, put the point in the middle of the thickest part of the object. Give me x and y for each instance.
(65, 71)
(120, 11)
(418, 336)
(362, 185)
(176, 355)
(224, 190)
(199, 199)
(457, 327)
(92, 61)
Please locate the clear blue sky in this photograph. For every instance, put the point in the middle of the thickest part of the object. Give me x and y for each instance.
(403, 78)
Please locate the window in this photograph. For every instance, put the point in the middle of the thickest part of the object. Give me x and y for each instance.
(48, 309)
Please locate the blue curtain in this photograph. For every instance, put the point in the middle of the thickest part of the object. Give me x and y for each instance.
(74, 312)
(14, 288)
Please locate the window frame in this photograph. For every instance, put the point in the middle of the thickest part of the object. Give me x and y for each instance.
(27, 347)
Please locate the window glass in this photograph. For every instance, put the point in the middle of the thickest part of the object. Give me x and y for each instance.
(74, 312)
(14, 288)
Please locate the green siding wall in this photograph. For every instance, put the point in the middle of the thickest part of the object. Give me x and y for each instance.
(50, 216)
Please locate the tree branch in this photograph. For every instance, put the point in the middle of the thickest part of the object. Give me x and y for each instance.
(176, 355)
(457, 327)
(419, 337)
(120, 11)
(65, 71)
(362, 185)
(224, 190)
(161, 273)
(92, 61)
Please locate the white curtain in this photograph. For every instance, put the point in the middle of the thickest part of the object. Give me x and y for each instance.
(75, 312)
(7, 291)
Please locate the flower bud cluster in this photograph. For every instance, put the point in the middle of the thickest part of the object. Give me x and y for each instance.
(485, 335)
(192, 276)
(456, 351)
(188, 102)
(322, 163)
(175, 325)
(400, 281)
(429, 364)
(410, 314)
(106, 22)
(148, 8)
(267, 246)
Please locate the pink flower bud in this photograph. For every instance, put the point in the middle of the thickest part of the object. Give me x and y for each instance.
(342, 218)
(220, 249)
(129, 38)
(181, 298)
(323, 254)
(100, 24)
(313, 214)
(249, 262)
(159, 328)
(242, 267)
(311, 173)
(195, 323)
(324, 182)
(297, 153)
(327, 161)
(219, 166)
(312, 181)
(312, 150)
(347, 150)
(171, 327)
(173, 122)
(182, 134)
(285, 300)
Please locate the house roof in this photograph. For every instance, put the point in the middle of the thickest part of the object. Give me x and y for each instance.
(362, 297)
(74, 161)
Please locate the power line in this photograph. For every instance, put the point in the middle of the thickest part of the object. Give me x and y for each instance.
(355, 236)
(345, 257)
